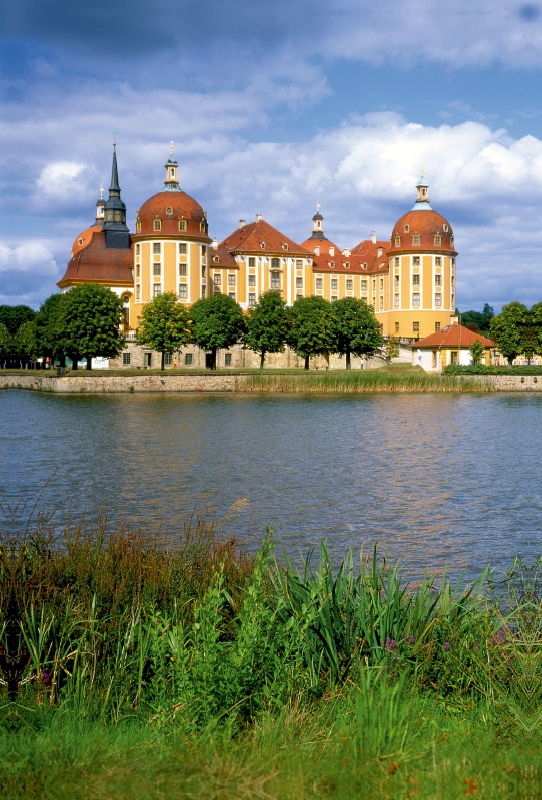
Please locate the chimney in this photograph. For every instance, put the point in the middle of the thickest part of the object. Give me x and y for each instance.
(241, 223)
(454, 319)
(346, 252)
(373, 237)
(259, 217)
(215, 244)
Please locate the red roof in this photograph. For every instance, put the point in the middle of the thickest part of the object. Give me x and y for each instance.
(97, 263)
(261, 237)
(170, 208)
(426, 224)
(221, 257)
(453, 336)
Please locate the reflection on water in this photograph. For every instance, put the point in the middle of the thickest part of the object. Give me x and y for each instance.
(440, 479)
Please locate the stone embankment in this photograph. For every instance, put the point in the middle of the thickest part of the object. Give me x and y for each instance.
(99, 384)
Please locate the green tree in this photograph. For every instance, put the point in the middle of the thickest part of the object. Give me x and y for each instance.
(51, 340)
(477, 351)
(509, 330)
(165, 325)
(480, 319)
(267, 325)
(6, 343)
(217, 323)
(24, 342)
(391, 349)
(91, 322)
(312, 328)
(356, 328)
(14, 316)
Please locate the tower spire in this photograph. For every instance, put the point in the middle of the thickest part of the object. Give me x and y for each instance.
(171, 184)
(115, 228)
(318, 225)
(422, 200)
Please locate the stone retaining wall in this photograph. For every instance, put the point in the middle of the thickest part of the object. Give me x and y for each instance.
(207, 383)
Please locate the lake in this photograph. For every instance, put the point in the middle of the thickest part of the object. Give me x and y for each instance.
(440, 480)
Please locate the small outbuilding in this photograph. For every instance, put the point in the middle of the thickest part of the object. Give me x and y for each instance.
(450, 345)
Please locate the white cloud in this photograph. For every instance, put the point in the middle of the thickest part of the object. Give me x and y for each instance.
(28, 272)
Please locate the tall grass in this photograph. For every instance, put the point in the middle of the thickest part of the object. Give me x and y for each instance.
(360, 381)
(125, 657)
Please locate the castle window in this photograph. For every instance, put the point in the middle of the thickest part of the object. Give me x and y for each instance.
(182, 225)
(138, 249)
(299, 264)
(334, 283)
(453, 262)
(182, 269)
(203, 251)
(437, 326)
(252, 280)
(397, 241)
(396, 261)
(438, 240)
(156, 268)
(415, 280)
(416, 261)
(168, 359)
(251, 261)
(202, 226)
(349, 285)
(396, 301)
(445, 228)
(227, 359)
(438, 261)
(138, 293)
(381, 283)
(188, 359)
(434, 359)
(275, 263)
(251, 299)
(396, 327)
(183, 294)
(217, 279)
(333, 298)
(416, 299)
(126, 359)
(117, 216)
(203, 270)
(138, 226)
(381, 303)
(379, 251)
(275, 280)
(157, 290)
(110, 216)
(452, 280)
(262, 245)
(299, 283)
(182, 248)
(438, 299)
(451, 241)
(231, 280)
(332, 264)
(438, 279)
(319, 283)
(231, 295)
(415, 240)
(364, 286)
(284, 246)
(416, 327)
(396, 280)
(407, 228)
(156, 247)
(157, 225)
(138, 270)
(346, 265)
(216, 259)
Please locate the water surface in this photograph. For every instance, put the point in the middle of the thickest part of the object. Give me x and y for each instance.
(438, 479)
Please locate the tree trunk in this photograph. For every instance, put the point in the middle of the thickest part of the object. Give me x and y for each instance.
(348, 363)
(262, 359)
(163, 364)
(306, 362)
(89, 362)
(75, 359)
(213, 353)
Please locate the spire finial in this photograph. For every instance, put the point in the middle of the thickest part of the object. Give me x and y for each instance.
(101, 192)
(114, 139)
(171, 148)
(317, 207)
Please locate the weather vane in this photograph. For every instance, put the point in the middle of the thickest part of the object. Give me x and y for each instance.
(101, 192)
(317, 207)
(171, 149)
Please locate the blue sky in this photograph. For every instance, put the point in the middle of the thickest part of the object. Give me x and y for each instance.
(274, 107)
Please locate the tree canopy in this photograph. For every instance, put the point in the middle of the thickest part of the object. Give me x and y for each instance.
(477, 351)
(312, 328)
(357, 330)
(267, 325)
(164, 325)
(217, 323)
(14, 316)
(480, 319)
(510, 330)
(91, 319)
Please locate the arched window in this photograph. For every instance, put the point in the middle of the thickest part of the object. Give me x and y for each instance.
(275, 263)
(157, 225)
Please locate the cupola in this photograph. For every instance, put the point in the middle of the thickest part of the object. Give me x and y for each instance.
(115, 228)
(422, 200)
(318, 224)
(100, 208)
(171, 183)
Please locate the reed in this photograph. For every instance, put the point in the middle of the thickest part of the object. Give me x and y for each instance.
(360, 381)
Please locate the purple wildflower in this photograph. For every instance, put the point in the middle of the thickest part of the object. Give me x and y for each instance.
(446, 645)
(475, 646)
(410, 640)
(46, 679)
(390, 644)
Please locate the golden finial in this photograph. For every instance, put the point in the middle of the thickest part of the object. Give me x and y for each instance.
(171, 149)
(317, 208)
(101, 192)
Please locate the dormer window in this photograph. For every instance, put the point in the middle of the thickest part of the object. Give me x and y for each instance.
(138, 226)
(262, 245)
(379, 251)
(157, 225)
(346, 265)
(182, 225)
(397, 241)
(317, 250)
(438, 240)
(445, 228)
(216, 259)
(331, 251)
(202, 226)
(407, 228)
(332, 264)
(415, 240)
(284, 246)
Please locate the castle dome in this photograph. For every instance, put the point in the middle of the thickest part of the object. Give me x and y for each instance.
(422, 228)
(84, 239)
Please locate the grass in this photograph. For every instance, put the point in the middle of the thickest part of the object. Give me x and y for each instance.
(182, 668)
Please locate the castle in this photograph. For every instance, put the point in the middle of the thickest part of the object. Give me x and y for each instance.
(409, 280)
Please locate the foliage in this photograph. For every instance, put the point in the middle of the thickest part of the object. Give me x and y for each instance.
(6, 342)
(92, 316)
(358, 381)
(481, 319)
(217, 323)
(24, 341)
(14, 316)
(477, 351)
(357, 330)
(482, 369)
(509, 330)
(165, 325)
(391, 349)
(312, 328)
(267, 325)
(50, 335)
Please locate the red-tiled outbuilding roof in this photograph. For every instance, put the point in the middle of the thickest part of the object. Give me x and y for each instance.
(453, 336)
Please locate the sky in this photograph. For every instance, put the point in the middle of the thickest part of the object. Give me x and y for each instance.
(273, 108)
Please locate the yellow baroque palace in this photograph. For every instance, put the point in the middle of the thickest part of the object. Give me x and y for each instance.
(409, 280)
